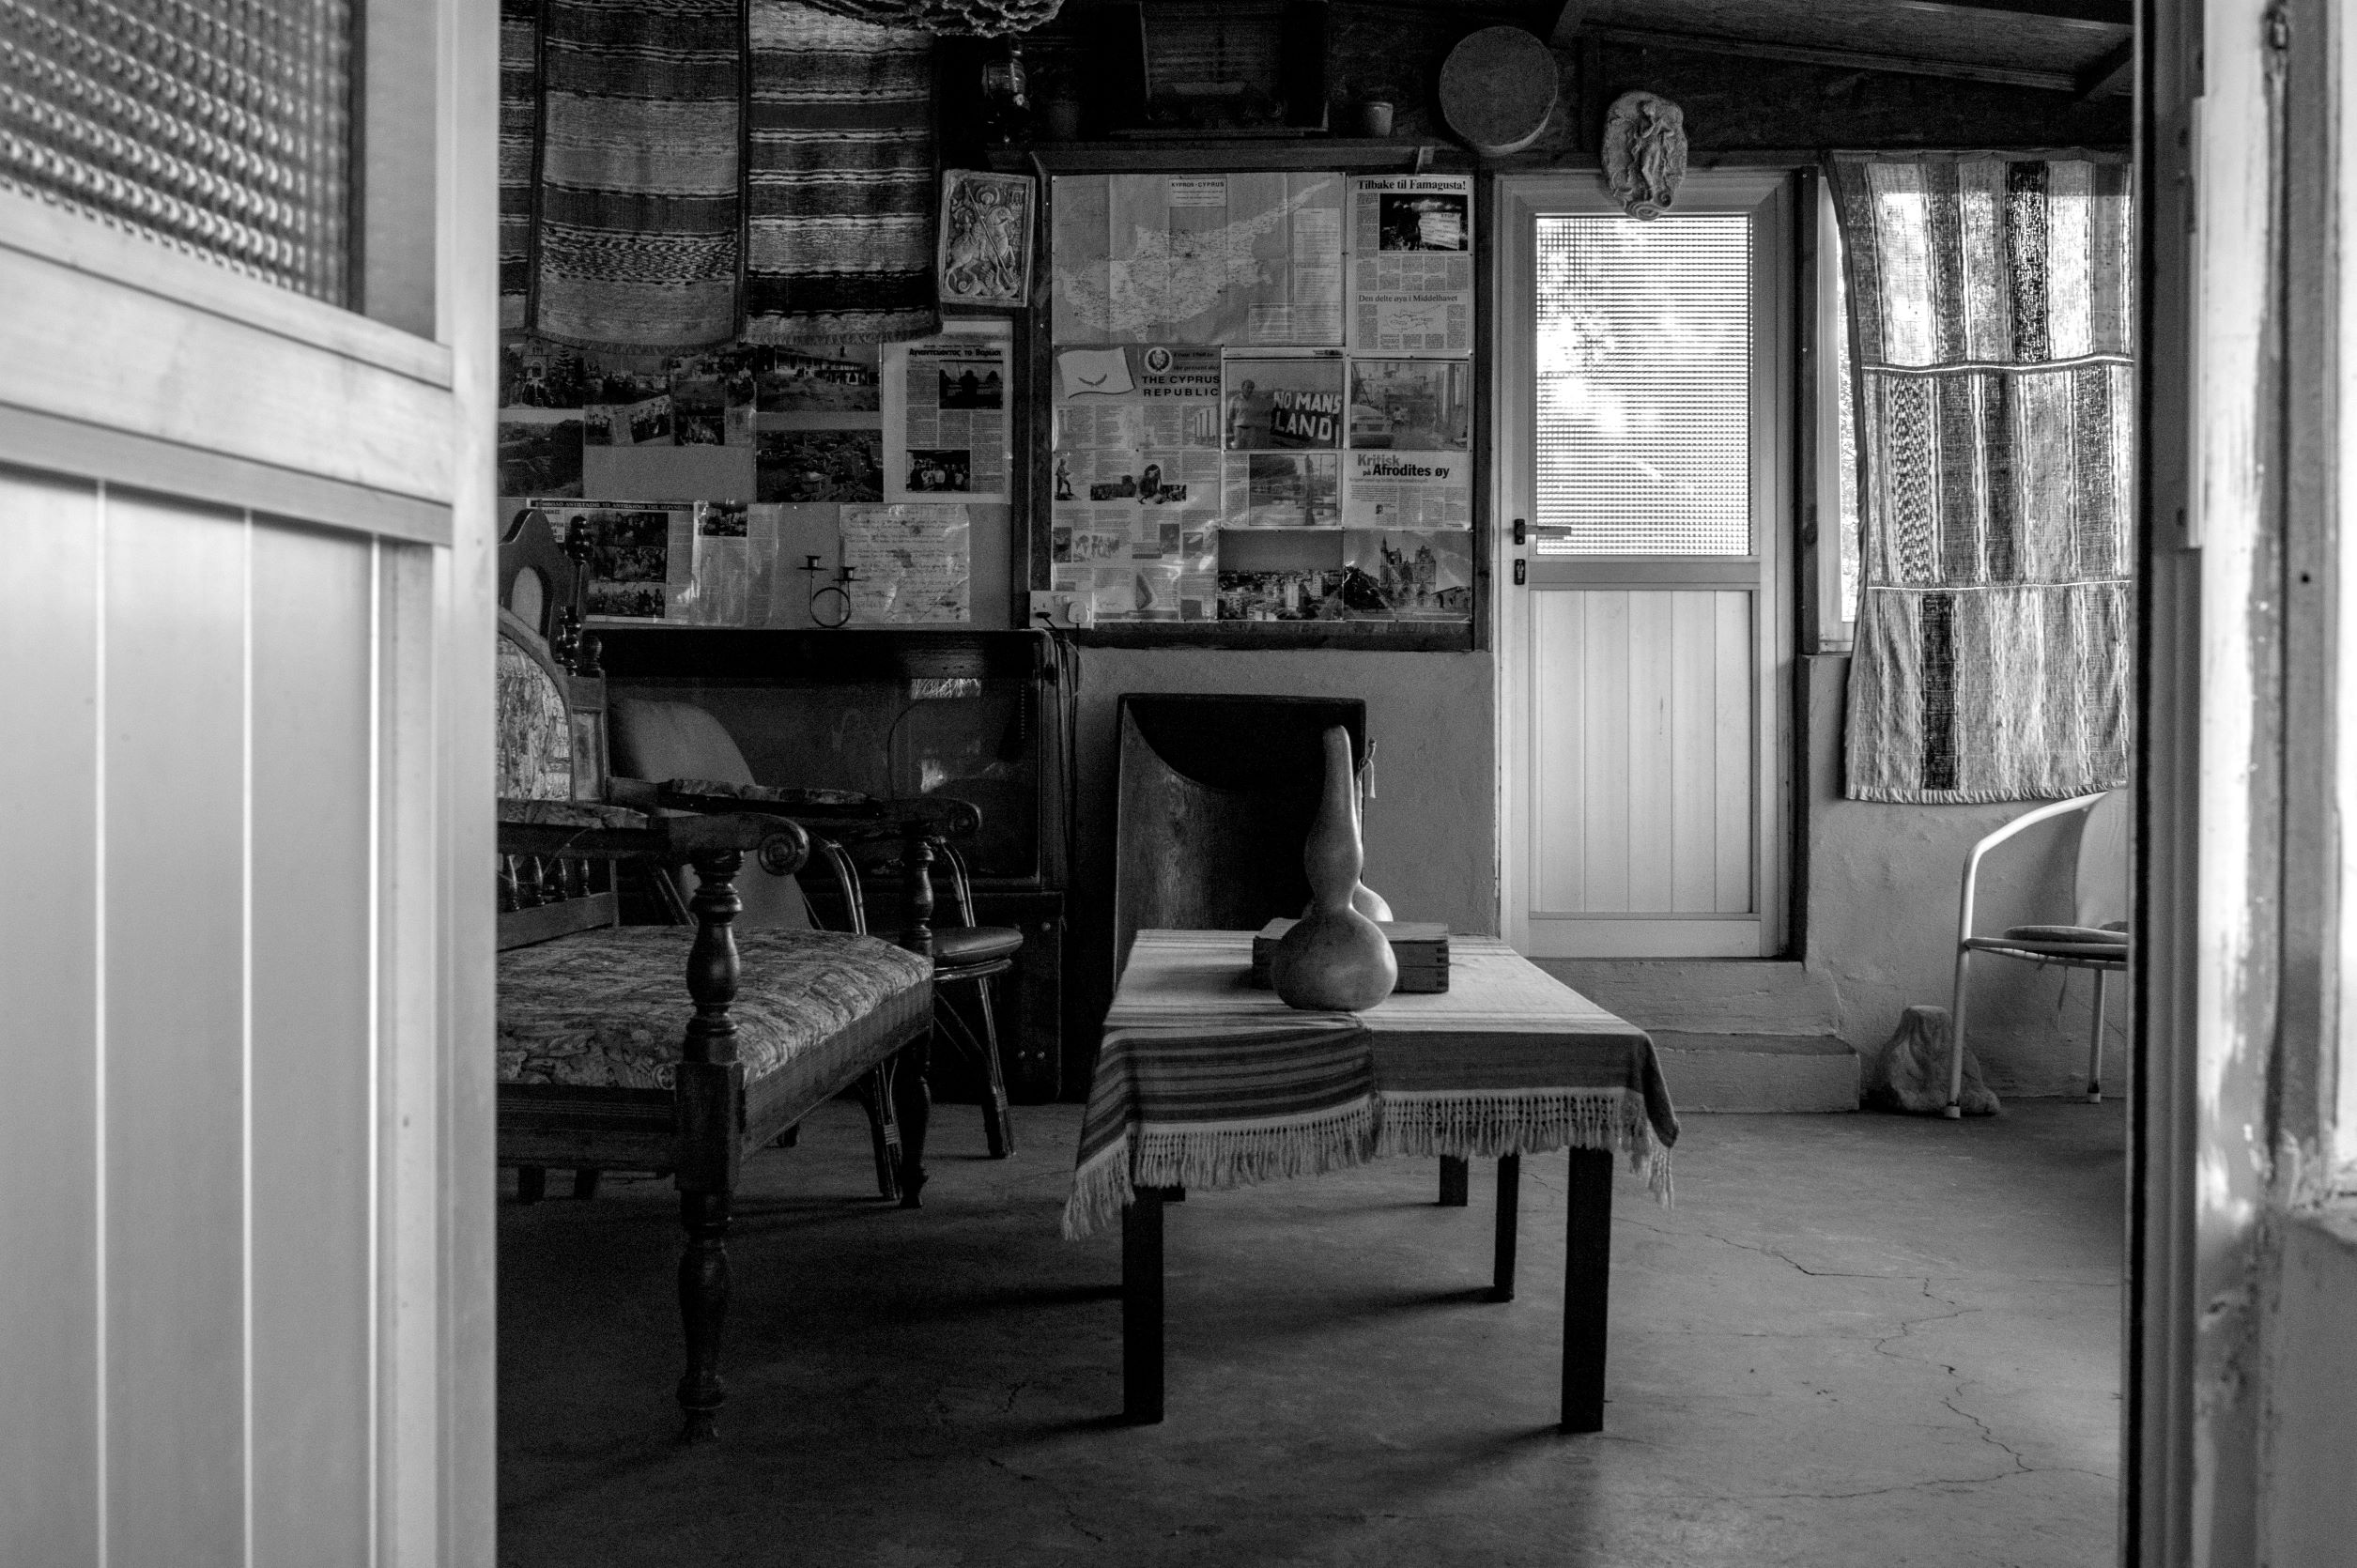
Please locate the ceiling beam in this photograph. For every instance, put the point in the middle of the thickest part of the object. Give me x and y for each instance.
(2110, 13)
(2105, 74)
(1848, 59)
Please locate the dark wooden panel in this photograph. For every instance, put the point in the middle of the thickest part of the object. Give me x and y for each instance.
(522, 928)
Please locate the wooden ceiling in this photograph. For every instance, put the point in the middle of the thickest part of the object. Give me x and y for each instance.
(2080, 47)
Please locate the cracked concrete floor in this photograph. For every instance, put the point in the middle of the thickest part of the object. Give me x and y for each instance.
(1858, 1339)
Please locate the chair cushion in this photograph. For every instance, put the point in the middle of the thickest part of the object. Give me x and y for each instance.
(610, 1008)
(954, 945)
(2117, 937)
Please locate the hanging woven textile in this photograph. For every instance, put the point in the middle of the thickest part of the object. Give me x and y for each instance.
(637, 230)
(840, 182)
(519, 151)
(1991, 307)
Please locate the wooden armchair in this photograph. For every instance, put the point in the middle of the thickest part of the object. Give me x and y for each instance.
(659, 1047)
(674, 755)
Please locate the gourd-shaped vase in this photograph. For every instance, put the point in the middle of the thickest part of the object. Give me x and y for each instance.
(1335, 958)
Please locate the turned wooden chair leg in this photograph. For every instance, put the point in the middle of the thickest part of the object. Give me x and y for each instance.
(883, 1130)
(532, 1183)
(704, 1309)
(912, 1099)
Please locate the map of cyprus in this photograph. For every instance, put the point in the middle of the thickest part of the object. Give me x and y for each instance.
(1199, 259)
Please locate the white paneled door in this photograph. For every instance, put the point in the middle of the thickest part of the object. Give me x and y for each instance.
(244, 750)
(1643, 636)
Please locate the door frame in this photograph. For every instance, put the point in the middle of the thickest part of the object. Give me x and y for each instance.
(1768, 194)
(98, 386)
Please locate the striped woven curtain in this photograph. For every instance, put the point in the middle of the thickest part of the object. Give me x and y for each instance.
(1991, 307)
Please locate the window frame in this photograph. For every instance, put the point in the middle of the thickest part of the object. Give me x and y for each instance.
(88, 296)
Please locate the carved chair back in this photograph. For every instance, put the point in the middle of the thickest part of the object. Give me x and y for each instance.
(552, 747)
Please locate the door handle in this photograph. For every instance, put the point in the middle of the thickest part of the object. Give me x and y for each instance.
(1521, 573)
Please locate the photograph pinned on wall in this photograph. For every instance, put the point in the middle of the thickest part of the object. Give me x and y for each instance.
(640, 558)
(1439, 218)
(540, 452)
(984, 256)
(1282, 489)
(711, 398)
(818, 466)
(1080, 546)
(535, 374)
(1407, 575)
(1287, 595)
(1283, 405)
(820, 380)
(938, 469)
(1411, 404)
(627, 401)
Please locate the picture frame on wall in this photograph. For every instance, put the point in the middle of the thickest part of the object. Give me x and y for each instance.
(984, 256)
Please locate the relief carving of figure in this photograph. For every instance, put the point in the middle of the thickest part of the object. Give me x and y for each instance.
(1644, 152)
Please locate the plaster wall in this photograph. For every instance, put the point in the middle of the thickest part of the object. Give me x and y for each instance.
(2310, 1513)
(1881, 919)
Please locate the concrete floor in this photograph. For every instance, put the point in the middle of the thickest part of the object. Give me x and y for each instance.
(1858, 1339)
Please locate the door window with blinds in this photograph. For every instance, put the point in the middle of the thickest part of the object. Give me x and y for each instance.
(1643, 435)
(1641, 372)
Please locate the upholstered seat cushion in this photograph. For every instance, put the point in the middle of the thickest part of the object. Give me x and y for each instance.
(957, 945)
(610, 1008)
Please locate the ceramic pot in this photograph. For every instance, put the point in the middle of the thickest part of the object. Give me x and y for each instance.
(1335, 958)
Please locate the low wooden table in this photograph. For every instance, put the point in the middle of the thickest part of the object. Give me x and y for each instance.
(1508, 1061)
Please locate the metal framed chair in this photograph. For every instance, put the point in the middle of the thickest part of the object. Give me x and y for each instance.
(2096, 939)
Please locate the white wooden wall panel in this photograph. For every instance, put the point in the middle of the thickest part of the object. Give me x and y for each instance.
(313, 1047)
(188, 997)
(49, 966)
(174, 1063)
(1643, 771)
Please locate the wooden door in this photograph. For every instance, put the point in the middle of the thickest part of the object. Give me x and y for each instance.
(244, 957)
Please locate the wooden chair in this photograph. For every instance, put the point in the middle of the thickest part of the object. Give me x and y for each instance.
(2096, 938)
(700, 767)
(651, 1047)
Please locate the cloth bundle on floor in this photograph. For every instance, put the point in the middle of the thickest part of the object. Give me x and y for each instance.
(639, 212)
(1910, 1072)
(1992, 310)
(839, 179)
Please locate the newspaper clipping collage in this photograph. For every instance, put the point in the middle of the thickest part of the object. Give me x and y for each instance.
(1238, 355)
(865, 457)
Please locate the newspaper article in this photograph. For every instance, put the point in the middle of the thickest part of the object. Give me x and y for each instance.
(1412, 266)
(908, 562)
(947, 417)
(1408, 489)
(1245, 259)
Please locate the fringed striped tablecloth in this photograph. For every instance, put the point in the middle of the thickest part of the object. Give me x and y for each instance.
(1204, 1081)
